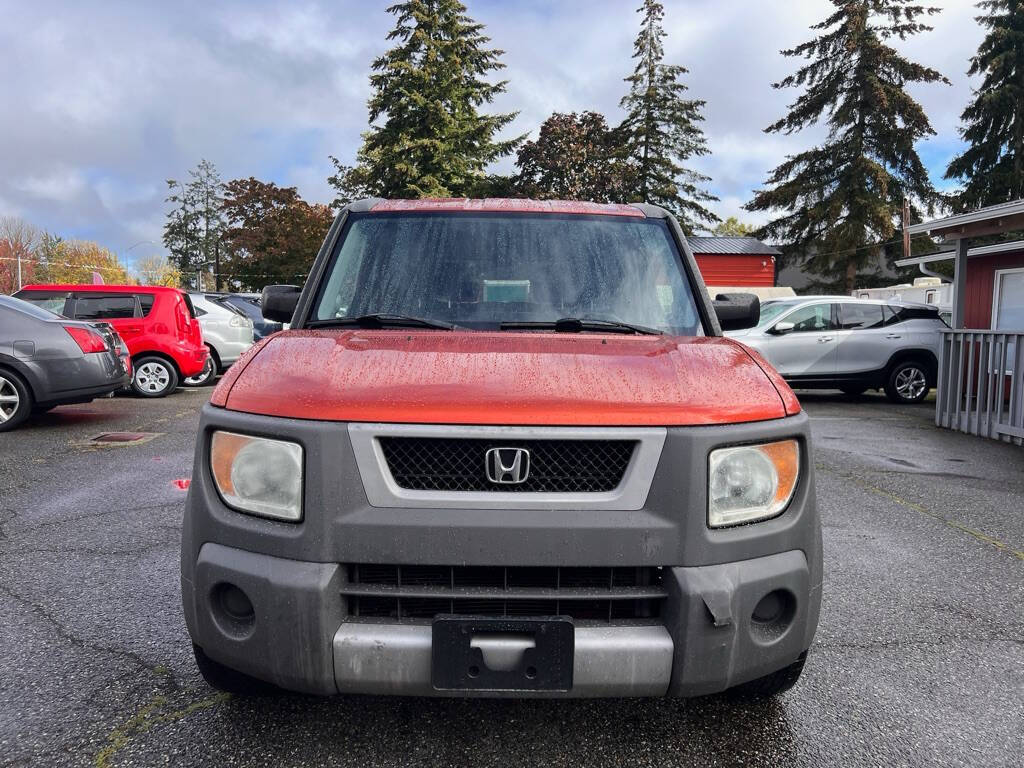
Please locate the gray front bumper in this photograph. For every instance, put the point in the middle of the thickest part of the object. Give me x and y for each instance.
(705, 640)
(608, 661)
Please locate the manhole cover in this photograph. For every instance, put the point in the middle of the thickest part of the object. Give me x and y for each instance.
(121, 438)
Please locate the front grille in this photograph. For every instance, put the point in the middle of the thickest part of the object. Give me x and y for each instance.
(423, 591)
(555, 466)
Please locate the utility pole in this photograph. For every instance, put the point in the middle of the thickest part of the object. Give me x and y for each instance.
(906, 223)
(19, 271)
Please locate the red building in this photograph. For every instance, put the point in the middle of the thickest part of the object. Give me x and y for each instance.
(734, 261)
(993, 285)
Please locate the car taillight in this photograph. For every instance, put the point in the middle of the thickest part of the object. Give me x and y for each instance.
(88, 341)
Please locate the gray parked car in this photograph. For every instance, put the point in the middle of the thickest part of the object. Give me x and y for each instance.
(838, 342)
(226, 331)
(47, 360)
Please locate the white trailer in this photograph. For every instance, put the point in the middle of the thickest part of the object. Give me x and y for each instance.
(925, 290)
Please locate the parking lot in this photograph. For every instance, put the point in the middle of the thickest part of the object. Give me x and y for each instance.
(919, 658)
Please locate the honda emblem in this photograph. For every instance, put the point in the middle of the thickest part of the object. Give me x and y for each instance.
(507, 466)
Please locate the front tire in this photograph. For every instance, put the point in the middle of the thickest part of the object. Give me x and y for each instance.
(229, 680)
(154, 377)
(773, 684)
(15, 400)
(907, 382)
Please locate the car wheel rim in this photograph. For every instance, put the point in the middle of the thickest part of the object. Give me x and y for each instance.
(10, 400)
(911, 383)
(152, 377)
(203, 376)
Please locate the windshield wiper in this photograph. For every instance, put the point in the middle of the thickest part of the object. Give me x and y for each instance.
(382, 320)
(578, 325)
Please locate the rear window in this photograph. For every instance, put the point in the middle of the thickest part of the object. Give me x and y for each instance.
(52, 301)
(112, 307)
(29, 308)
(146, 301)
(897, 314)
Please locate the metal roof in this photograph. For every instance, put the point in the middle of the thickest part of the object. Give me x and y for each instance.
(504, 205)
(731, 245)
(991, 213)
(981, 250)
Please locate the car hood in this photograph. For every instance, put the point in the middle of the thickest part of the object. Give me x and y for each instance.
(504, 378)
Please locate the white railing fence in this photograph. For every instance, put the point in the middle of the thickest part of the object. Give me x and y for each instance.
(981, 384)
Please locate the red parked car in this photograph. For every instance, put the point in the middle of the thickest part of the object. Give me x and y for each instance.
(158, 325)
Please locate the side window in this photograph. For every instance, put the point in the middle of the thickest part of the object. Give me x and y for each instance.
(816, 317)
(104, 307)
(146, 302)
(893, 315)
(860, 317)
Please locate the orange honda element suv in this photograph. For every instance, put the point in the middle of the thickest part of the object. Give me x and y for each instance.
(504, 450)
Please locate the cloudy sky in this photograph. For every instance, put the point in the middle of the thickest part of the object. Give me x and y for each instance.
(104, 100)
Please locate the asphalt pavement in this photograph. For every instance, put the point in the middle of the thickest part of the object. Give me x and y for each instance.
(919, 657)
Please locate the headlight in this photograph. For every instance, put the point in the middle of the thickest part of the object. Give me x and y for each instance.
(751, 482)
(254, 474)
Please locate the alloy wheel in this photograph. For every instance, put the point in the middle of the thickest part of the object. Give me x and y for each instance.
(152, 377)
(9, 399)
(911, 383)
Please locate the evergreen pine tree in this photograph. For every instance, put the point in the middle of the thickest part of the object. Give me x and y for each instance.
(195, 224)
(663, 128)
(842, 199)
(992, 166)
(427, 137)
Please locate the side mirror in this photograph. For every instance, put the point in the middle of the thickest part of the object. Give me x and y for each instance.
(782, 327)
(279, 301)
(737, 311)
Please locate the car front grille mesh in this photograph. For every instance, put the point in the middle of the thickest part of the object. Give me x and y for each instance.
(555, 466)
(420, 592)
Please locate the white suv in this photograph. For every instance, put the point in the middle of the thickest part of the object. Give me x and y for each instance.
(838, 342)
(226, 331)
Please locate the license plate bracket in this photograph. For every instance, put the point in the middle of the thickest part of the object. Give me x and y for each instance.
(459, 644)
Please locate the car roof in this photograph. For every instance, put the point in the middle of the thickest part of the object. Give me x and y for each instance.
(794, 300)
(506, 205)
(93, 288)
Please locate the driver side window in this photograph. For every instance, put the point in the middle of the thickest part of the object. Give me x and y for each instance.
(812, 319)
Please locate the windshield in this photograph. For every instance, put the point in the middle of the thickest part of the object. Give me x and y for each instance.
(771, 310)
(479, 270)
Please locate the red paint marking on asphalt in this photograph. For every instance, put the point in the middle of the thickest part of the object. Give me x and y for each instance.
(182, 483)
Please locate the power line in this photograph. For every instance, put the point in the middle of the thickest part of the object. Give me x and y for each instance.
(866, 247)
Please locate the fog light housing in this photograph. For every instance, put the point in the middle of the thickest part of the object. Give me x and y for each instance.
(232, 609)
(773, 615)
